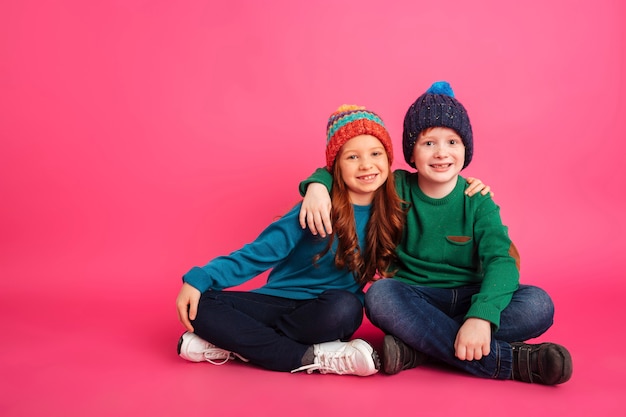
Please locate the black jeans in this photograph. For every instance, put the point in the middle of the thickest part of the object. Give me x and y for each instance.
(275, 332)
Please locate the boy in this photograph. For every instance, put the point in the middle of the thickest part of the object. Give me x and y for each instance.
(456, 296)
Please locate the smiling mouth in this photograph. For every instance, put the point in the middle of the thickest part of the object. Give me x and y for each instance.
(367, 177)
(441, 166)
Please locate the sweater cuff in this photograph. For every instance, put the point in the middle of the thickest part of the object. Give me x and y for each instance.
(198, 279)
(485, 312)
(321, 175)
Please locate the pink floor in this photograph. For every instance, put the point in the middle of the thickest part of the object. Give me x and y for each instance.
(114, 355)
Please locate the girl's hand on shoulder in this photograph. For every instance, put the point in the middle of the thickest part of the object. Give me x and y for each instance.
(187, 305)
(476, 186)
(315, 210)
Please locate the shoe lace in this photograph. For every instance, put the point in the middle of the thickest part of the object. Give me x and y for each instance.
(218, 356)
(340, 363)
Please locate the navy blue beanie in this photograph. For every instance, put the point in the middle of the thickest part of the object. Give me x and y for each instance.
(437, 107)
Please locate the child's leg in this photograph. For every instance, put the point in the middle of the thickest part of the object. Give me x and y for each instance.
(334, 315)
(422, 317)
(529, 314)
(242, 322)
(428, 319)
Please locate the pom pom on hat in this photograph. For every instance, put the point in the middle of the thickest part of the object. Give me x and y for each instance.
(437, 107)
(349, 121)
(441, 87)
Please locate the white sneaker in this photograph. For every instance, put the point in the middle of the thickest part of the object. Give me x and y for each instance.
(356, 357)
(195, 349)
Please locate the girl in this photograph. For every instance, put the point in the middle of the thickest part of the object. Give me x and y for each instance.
(313, 298)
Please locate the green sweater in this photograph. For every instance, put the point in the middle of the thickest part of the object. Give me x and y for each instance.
(451, 242)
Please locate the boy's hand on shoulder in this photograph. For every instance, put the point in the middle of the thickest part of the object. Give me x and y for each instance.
(315, 210)
(473, 341)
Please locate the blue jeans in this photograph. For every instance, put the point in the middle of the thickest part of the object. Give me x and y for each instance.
(428, 320)
(275, 332)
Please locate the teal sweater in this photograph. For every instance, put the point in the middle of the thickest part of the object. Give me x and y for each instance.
(451, 242)
(288, 250)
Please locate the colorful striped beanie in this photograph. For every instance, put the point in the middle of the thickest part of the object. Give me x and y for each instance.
(349, 121)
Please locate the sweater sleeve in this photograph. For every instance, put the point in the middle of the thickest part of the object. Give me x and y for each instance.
(320, 175)
(499, 262)
(273, 245)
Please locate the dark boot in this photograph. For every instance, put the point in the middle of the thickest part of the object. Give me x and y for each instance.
(545, 363)
(398, 356)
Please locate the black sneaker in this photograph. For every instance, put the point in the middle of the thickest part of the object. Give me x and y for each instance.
(545, 363)
(398, 356)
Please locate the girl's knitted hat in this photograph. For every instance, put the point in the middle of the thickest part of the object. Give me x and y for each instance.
(349, 121)
(437, 107)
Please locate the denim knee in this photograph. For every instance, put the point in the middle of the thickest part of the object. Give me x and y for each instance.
(540, 301)
(529, 314)
(343, 309)
(380, 296)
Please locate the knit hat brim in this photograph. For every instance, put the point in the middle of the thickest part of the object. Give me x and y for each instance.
(350, 121)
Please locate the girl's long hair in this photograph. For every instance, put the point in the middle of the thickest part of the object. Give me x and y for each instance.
(384, 230)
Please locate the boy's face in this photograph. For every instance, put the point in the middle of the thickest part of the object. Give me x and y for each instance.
(439, 155)
(364, 167)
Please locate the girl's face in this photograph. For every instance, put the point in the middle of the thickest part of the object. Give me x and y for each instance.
(439, 155)
(364, 167)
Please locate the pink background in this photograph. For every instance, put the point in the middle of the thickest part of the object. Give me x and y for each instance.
(140, 138)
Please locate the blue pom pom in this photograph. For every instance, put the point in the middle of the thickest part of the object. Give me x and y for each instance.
(441, 87)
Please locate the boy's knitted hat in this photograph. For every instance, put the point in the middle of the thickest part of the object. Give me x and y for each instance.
(437, 107)
(349, 121)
